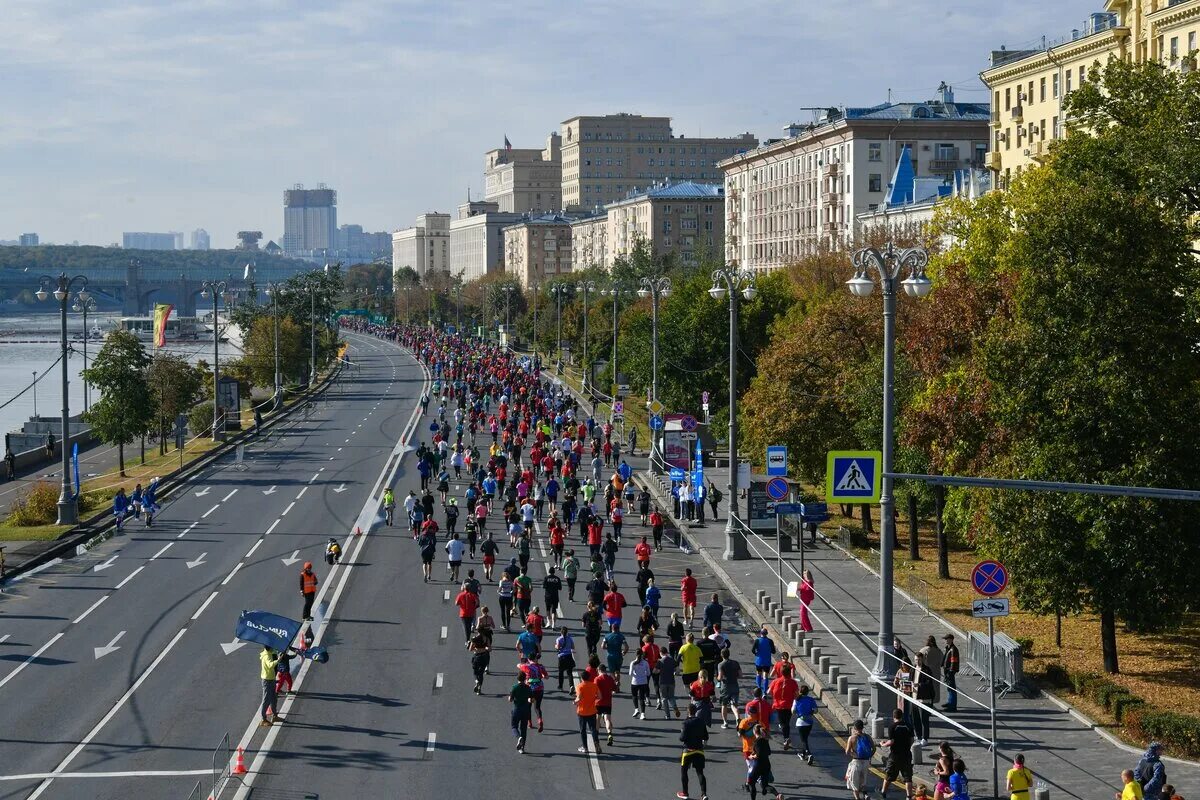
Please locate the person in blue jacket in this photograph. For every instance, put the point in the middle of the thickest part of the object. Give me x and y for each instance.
(149, 504)
(764, 658)
(120, 507)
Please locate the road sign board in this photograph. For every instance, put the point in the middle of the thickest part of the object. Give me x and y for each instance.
(618, 407)
(776, 460)
(688, 423)
(704, 397)
(789, 508)
(677, 473)
(989, 578)
(655, 407)
(853, 476)
(687, 436)
(622, 389)
(814, 512)
(618, 418)
(656, 423)
(991, 607)
(777, 488)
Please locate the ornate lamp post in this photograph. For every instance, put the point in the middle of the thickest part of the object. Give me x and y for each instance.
(218, 289)
(85, 307)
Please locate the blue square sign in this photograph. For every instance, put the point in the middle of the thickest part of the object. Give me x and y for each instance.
(777, 460)
(853, 476)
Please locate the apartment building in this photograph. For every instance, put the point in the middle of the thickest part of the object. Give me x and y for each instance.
(1029, 86)
(910, 202)
(538, 248)
(606, 157)
(477, 239)
(425, 247)
(791, 196)
(526, 180)
(589, 241)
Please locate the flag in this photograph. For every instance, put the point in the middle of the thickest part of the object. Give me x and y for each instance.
(268, 629)
(507, 143)
(162, 312)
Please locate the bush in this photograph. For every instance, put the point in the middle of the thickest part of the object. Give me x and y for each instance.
(38, 505)
(1057, 676)
(200, 420)
(1123, 707)
(1026, 645)
(1179, 733)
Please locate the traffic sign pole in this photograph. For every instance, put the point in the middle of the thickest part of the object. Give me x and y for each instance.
(992, 703)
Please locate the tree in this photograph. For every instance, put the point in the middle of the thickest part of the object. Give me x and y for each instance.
(174, 387)
(259, 348)
(124, 410)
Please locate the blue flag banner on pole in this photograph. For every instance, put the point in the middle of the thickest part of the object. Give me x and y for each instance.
(265, 628)
(698, 471)
(75, 461)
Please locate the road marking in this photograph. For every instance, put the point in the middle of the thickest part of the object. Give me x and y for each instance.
(164, 549)
(207, 489)
(197, 561)
(105, 565)
(340, 489)
(203, 606)
(111, 647)
(292, 560)
(273, 524)
(446, 596)
(229, 577)
(211, 510)
(439, 681)
(112, 712)
(29, 660)
(431, 743)
(339, 450)
(542, 547)
(252, 549)
(316, 475)
(322, 469)
(7, 636)
(155, 773)
(91, 608)
(302, 491)
(289, 508)
(594, 763)
(187, 530)
(230, 647)
(129, 577)
(347, 441)
(231, 494)
(269, 491)
(444, 634)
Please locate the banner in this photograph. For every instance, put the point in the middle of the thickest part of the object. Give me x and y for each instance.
(162, 312)
(268, 629)
(698, 471)
(75, 462)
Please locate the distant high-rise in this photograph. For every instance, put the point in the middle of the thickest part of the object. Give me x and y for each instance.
(200, 240)
(248, 240)
(141, 240)
(28, 240)
(309, 220)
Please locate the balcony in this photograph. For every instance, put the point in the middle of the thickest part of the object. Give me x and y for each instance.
(831, 198)
(1018, 114)
(996, 117)
(994, 160)
(833, 169)
(831, 228)
(1038, 151)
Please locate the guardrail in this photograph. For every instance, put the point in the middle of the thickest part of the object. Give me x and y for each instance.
(1009, 663)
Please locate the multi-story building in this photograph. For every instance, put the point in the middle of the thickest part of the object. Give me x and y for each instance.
(1029, 86)
(425, 247)
(519, 181)
(911, 201)
(794, 195)
(589, 241)
(538, 248)
(356, 246)
(309, 221)
(684, 218)
(477, 239)
(604, 158)
(200, 239)
(28, 240)
(142, 240)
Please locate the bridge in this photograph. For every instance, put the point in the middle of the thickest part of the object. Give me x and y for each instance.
(136, 287)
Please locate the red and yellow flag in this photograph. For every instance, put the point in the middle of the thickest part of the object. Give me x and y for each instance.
(162, 312)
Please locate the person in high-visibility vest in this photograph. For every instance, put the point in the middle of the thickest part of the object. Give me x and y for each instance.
(308, 588)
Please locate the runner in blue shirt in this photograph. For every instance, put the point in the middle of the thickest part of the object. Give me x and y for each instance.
(764, 658)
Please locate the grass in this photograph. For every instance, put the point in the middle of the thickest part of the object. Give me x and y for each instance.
(38, 533)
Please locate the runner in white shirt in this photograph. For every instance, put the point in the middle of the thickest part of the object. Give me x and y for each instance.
(454, 549)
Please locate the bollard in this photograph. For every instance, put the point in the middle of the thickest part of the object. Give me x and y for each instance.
(790, 628)
(823, 665)
(806, 647)
(864, 707)
(760, 595)
(815, 655)
(918, 754)
(843, 684)
(772, 607)
(852, 696)
(787, 620)
(1041, 793)
(834, 672)
(798, 638)
(778, 615)
(879, 728)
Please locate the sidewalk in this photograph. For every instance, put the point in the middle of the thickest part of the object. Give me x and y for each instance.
(1062, 749)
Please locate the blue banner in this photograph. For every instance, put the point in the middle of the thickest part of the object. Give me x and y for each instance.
(265, 628)
(698, 471)
(75, 461)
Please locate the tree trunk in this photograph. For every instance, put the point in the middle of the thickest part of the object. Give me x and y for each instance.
(143, 449)
(939, 506)
(914, 546)
(847, 511)
(1108, 641)
(1058, 629)
(121, 457)
(868, 523)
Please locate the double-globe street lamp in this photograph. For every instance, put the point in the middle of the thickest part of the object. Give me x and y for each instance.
(586, 286)
(734, 281)
(85, 306)
(218, 289)
(887, 264)
(614, 292)
(508, 290)
(559, 290)
(314, 283)
(656, 289)
(68, 511)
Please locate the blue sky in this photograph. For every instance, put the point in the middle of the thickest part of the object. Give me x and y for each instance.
(173, 116)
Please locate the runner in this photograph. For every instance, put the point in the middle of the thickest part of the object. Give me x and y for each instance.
(687, 590)
(607, 686)
(454, 553)
(520, 695)
(564, 645)
(805, 709)
(389, 505)
(693, 735)
(760, 771)
(639, 683)
(764, 658)
(551, 588)
(587, 700)
(428, 544)
(570, 566)
(467, 602)
(783, 691)
(489, 548)
(505, 591)
(729, 672)
(481, 656)
(614, 603)
(536, 676)
(667, 666)
(615, 648)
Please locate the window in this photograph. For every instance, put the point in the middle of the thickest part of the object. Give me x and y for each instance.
(1008, 138)
(1042, 91)
(1007, 99)
(708, 224)
(1174, 47)
(666, 209)
(875, 182)
(666, 226)
(708, 209)
(875, 151)
(1082, 75)
(1055, 128)
(1068, 86)
(1192, 42)
(1055, 87)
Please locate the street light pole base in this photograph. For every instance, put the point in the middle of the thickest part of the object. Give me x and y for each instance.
(68, 511)
(735, 545)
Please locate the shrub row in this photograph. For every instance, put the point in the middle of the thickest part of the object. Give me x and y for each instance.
(1180, 733)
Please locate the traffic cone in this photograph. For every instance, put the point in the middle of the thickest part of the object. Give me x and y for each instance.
(239, 766)
(358, 530)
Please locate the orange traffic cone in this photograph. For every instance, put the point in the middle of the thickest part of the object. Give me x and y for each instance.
(358, 530)
(239, 766)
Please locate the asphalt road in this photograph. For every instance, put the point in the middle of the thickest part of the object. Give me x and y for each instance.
(115, 683)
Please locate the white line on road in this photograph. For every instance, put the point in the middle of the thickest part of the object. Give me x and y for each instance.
(444, 634)
(129, 577)
(252, 549)
(431, 743)
(231, 494)
(439, 681)
(164, 549)
(316, 475)
(154, 773)
(446, 596)
(29, 660)
(105, 565)
(542, 547)
(339, 450)
(211, 510)
(203, 606)
(302, 491)
(229, 577)
(112, 712)
(289, 508)
(7, 636)
(273, 524)
(594, 763)
(91, 608)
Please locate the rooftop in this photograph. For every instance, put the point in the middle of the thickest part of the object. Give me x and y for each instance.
(684, 190)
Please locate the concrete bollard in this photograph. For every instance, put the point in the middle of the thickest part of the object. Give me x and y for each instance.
(852, 695)
(790, 628)
(879, 728)
(806, 647)
(823, 665)
(815, 655)
(760, 595)
(834, 672)
(843, 683)
(1041, 793)
(864, 707)
(918, 754)
(779, 616)
(772, 607)
(798, 638)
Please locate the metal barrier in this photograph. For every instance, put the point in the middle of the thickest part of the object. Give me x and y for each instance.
(196, 793)
(1009, 664)
(221, 767)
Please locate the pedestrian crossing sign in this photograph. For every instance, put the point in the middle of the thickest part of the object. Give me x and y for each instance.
(853, 476)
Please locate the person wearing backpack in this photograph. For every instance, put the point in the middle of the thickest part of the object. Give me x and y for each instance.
(860, 748)
(1150, 772)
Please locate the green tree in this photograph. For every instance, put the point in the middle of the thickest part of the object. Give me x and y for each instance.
(259, 349)
(124, 410)
(174, 387)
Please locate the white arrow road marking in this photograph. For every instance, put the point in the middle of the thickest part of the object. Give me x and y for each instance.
(294, 558)
(197, 562)
(204, 492)
(340, 489)
(111, 647)
(269, 491)
(105, 565)
(229, 647)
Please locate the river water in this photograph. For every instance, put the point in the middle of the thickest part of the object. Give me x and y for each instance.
(29, 344)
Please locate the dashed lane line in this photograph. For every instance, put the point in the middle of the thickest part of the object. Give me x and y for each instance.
(302, 491)
(231, 494)
(232, 572)
(211, 510)
(273, 525)
(31, 659)
(291, 505)
(250, 552)
(90, 609)
(164, 549)
(203, 606)
(130, 576)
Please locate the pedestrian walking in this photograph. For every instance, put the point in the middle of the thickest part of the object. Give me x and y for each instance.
(308, 589)
(950, 664)
(120, 507)
(860, 748)
(923, 693)
(694, 735)
(1150, 771)
(900, 759)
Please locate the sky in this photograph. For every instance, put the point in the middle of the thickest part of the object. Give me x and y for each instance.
(166, 116)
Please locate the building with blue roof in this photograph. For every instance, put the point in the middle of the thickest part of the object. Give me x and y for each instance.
(910, 199)
(808, 189)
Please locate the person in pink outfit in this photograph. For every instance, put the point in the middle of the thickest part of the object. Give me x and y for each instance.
(807, 595)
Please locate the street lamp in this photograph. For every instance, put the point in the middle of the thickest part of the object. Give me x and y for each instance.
(508, 290)
(218, 289)
(887, 264)
(313, 285)
(535, 289)
(273, 290)
(85, 307)
(587, 286)
(734, 281)
(559, 290)
(614, 292)
(68, 511)
(655, 289)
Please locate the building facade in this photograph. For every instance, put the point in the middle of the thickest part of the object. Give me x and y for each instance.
(520, 181)
(538, 248)
(589, 242)
(200, 239)
(142, 240)
(606, 157)
(911, 201)
(683, 218)
(1029, 86)
(28, 240)
(477, 239)
(794, 195)
(355, 246)
(309, 221)
(425, 247)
